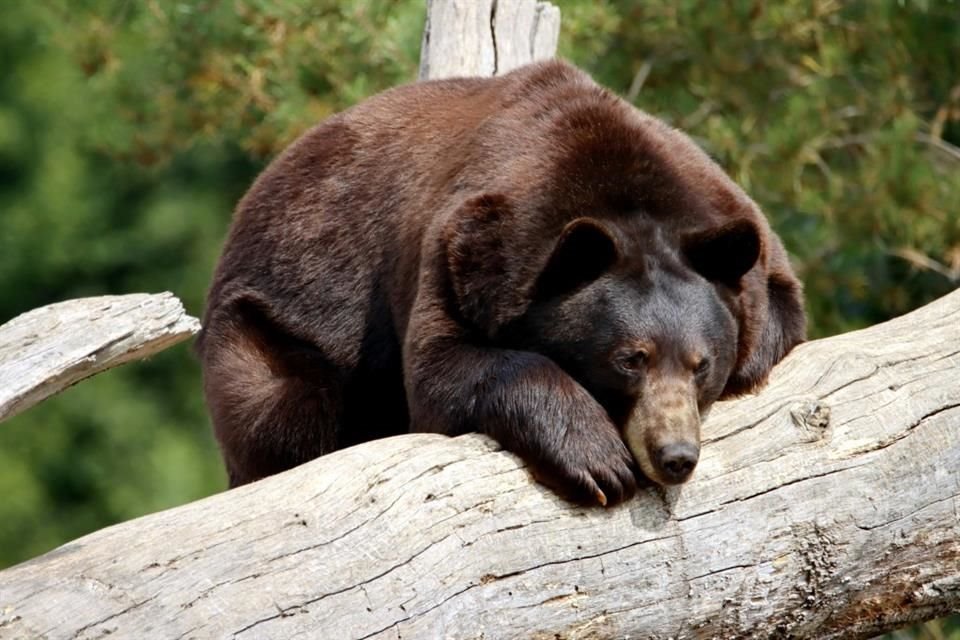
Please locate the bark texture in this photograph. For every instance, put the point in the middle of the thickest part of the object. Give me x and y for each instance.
(44, 351)
(486, 37)
(826, 506)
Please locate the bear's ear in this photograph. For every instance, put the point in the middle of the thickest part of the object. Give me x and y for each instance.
(725, 254)
(584, 251)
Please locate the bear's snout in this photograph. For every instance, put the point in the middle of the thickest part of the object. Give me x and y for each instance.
(663, 432)
(676, 461)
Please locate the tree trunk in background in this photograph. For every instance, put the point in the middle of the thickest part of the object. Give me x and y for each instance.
(486, 37)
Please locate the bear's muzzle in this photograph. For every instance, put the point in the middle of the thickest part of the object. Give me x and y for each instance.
(663, 432)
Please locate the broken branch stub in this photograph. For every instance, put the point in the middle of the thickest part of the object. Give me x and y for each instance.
(46, 350)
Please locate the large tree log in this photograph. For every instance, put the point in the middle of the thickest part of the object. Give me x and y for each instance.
(486, 37)
(44, 351)
(824, 507)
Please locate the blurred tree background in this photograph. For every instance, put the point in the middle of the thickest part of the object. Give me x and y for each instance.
(128, 129)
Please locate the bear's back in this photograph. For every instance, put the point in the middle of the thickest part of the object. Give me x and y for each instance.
(339, 216)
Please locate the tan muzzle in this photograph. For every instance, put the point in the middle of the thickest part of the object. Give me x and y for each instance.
(663, 432)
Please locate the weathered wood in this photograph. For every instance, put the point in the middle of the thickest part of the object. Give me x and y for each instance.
(486, 37)
(44, 351)
(824, 507)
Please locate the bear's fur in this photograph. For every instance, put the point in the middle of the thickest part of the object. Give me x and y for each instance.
(526, 256)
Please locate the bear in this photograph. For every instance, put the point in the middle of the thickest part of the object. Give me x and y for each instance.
(527, 256)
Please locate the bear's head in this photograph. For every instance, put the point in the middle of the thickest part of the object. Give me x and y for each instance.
(644, 318)
(640, 321)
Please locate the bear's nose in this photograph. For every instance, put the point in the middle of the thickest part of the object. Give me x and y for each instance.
(677, 460)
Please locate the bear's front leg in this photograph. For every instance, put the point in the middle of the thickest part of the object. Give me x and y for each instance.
(529, 405)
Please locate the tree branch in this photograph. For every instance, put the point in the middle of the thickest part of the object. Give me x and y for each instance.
(44, 351)
(824, 507)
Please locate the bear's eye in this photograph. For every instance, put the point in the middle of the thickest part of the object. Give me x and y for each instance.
(702, 367)
(633, 362)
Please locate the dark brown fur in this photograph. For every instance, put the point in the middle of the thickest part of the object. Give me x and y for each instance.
(378, 275)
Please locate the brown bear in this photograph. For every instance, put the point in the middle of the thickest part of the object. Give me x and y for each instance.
(526, 256)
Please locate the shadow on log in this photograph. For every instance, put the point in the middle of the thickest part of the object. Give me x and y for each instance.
(824, 507)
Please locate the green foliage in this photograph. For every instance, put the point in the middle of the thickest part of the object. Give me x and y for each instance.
(129, 129)
(257, 72)
(78, 222)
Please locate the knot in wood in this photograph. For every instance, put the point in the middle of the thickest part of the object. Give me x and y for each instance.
(812, 417)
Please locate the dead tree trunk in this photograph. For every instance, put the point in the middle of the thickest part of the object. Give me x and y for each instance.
(824, 507)
(486, 37)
